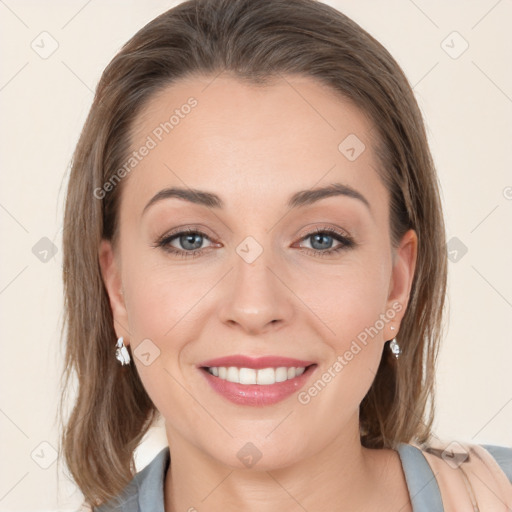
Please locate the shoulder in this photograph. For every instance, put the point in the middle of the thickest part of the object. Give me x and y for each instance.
(503, 456)
(412, 455)
(421, 483)
(458, 453)
(145, 492)
(422, 475)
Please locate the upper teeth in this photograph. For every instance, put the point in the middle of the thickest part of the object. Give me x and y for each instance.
(265, 376)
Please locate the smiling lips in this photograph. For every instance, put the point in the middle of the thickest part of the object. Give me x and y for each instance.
(256, 381)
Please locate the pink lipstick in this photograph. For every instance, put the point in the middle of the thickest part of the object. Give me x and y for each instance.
(256, 381)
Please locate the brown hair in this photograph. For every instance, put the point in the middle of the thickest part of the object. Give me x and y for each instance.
(255, 40)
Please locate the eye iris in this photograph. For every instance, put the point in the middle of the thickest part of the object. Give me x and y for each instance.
(321, 237)
(185, 239)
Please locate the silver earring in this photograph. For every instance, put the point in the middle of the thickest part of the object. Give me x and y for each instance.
(122, 354)
(395, 348)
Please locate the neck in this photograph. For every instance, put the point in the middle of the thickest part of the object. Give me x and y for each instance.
(343, 473)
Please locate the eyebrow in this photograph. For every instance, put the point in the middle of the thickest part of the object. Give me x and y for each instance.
(297, 200)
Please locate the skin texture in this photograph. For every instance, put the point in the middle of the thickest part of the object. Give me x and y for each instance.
(254, 147)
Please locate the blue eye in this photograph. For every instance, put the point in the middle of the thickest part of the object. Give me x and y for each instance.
(191, 240)
(321, 237)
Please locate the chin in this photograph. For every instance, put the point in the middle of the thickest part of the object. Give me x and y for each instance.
(259, 452)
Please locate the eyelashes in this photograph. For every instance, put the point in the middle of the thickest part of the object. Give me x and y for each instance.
(191, 236)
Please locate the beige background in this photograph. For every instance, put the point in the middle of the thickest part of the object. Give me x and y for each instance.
(467, 103)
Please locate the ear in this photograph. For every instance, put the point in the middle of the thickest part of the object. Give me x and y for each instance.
(111, 274)
(404, 265)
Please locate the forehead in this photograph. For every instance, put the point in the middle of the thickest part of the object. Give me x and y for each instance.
(244, 141)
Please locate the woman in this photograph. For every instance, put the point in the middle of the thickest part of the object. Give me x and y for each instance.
(254, 250)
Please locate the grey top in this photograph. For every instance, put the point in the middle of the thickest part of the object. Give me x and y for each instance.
(145, 492)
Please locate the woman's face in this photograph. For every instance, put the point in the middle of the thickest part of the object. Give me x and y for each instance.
(268, 268)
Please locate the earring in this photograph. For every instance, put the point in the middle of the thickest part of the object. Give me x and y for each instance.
(122, 354)
(394, 347)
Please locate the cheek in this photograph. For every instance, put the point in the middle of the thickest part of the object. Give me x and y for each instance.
(155, 302)
(160, 308)
(159, 294)
(347, 298)
(351, 302)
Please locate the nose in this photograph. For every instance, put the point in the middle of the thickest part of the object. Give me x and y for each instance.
(255, 296)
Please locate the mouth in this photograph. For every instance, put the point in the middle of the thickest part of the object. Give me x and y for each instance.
(256, 382)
